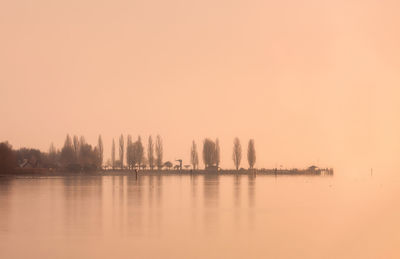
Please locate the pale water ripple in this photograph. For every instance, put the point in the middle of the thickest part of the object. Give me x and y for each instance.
(199, 216)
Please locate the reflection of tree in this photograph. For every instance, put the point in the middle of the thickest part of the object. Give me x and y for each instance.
(236, 190)
(236, 201)
(134, 201)
(193, 182)
(211, 195)
(151, 190)
(251, 188)
(251, 193)
(6, 186)
(159, 189)
(83, 203)
(211, 188)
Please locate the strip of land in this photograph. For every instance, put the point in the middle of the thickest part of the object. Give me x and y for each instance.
(49, 172)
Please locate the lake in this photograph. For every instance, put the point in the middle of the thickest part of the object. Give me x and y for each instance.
(199, 216)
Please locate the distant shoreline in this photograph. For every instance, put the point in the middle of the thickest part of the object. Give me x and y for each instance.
(119, 172)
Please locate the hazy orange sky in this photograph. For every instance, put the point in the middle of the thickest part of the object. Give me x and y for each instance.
(311, 81)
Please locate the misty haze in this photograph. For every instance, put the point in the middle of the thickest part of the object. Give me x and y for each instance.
(199, 129)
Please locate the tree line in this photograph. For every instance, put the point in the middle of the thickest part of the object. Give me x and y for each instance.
(135, 154)
(77, 155)
(211, 154)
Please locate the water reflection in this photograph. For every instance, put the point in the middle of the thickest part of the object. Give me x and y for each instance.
(210, 190)
(194, 186)
(236, 190)
(251, 188)
(135, 190)
(211, 201)
(82, 204)
(251, 193)
(236, 201)
(159, 190)
(210, 215)
(133, 206)
(6, 186)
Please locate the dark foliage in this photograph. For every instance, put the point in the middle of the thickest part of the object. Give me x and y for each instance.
(8, 159)
(30, 155)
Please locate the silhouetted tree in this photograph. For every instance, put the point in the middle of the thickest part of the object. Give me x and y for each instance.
(96, 158)
(159, 152)
(139, 152)
(89, 157)
(237, 153)
(194, 156)
(143, 164)
(136, 153)
(82, 142)
(77, 148)
(29, 155)
(251, 154)
(100, 150)
(129, 152)
(121, 150)
(168, 164)
(52, 157)
(8, 161)
(113, 154)
(209, 153)
(68, 156)
(150, 153)
(217, 153)
(117, 164)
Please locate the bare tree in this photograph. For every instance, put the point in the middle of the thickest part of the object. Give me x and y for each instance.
(67, 152)
(209, 153)
(89, 157)
(100, 150)
(251, 154)
(194, 156)
(52, 155)
(138, 152)
(237, 153)
(159, 152)
(96, 158)
(217, 153)
(129, 152)
(121, 150)
(143, 164)
(150, 153)
(77, 148)
(113, 154)
(82, 142)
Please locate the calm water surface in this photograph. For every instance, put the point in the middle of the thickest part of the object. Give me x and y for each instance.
(203, 216)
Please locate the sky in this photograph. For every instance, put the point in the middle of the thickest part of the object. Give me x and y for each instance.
(312, 82)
